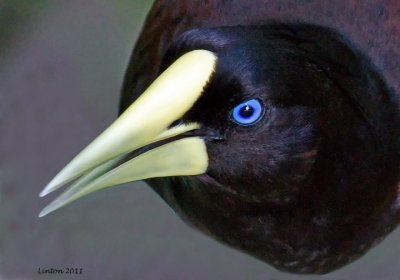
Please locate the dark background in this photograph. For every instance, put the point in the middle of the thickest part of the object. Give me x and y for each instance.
(61, 68)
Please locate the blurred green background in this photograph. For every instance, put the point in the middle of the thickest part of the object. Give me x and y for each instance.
(61, 68)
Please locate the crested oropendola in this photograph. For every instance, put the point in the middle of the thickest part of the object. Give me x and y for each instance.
(271, 126)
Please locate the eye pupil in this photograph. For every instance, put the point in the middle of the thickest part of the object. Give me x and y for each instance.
(246, 111)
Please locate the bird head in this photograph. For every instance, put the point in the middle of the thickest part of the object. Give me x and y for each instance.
(274, 118)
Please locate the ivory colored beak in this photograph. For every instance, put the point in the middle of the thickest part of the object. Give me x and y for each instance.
(105, 162)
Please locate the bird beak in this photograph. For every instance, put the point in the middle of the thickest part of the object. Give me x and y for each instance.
(122, 153)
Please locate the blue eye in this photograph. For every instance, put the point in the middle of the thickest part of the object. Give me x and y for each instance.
(248, 112)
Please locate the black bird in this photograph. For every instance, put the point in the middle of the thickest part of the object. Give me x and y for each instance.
(273, 126)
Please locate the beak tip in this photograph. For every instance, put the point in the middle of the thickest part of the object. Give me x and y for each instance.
(45, 191)
(42, 193)
(49, 188)
(42, 213)
(45, 211)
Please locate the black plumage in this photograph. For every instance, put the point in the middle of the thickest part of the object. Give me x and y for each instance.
(314, 184)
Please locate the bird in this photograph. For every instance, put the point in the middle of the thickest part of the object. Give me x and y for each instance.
(270, 126)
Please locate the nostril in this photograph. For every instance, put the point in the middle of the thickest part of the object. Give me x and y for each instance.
(176, 123)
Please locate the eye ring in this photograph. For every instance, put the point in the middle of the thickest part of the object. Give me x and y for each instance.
(248, 112)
